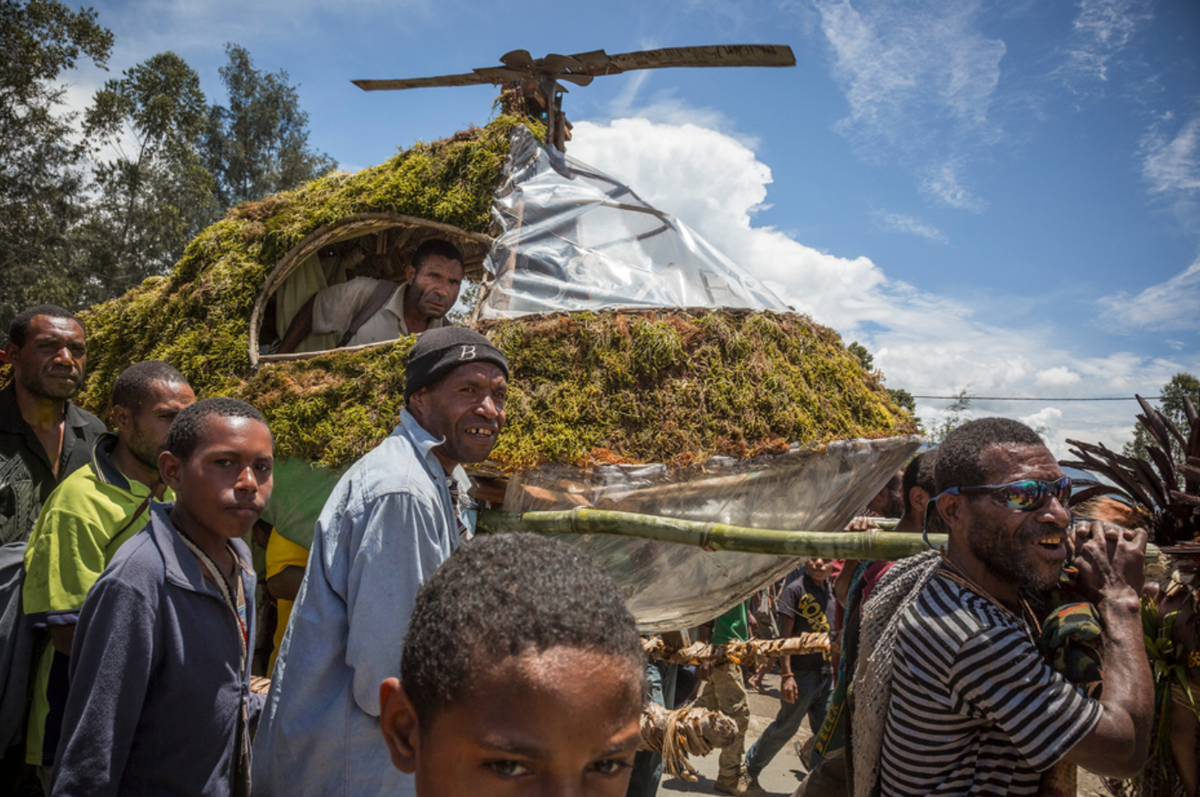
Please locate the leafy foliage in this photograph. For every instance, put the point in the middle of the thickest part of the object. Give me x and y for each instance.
(154, 199)
(1182, 385)
(41, 159)
(259, 144)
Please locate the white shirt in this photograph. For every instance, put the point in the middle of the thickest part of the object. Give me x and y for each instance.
(336, 306)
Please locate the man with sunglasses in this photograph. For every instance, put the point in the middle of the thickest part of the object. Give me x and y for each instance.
(973, 708)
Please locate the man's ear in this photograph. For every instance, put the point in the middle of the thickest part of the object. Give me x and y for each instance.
(410, 274)
(398, 721)
(417, 404)
(918, 499)
(120, 418)
(952, 508)
(169, 469)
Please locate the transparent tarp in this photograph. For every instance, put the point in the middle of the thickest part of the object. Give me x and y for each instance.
(576, 239)
(669, 586)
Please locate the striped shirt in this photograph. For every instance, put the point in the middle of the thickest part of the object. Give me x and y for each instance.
(974, 708)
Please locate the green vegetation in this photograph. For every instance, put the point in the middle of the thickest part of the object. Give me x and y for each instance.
(636, 386)
(197, 318)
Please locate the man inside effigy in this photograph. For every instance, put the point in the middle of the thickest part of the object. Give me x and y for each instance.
(367, 310)
(522, 674)
(394, 517)
(952, 694)
(160, 699)
(86, 520)
(805, 606)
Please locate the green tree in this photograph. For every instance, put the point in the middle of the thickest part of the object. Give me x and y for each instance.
(41, 156)
(958, 413)
(154, 195)
(902, 398)
(259, 144)
(1182, 385)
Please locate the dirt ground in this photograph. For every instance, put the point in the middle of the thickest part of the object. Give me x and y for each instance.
(779, 779)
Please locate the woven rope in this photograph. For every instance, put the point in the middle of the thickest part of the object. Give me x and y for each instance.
(872, 684)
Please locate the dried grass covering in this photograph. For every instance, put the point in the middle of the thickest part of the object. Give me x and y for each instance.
(672, 387)
(602, 388)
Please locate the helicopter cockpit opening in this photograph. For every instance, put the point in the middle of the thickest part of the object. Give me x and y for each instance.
(375, 245)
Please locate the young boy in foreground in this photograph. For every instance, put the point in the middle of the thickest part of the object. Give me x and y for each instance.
(160, 666)
(522, 673)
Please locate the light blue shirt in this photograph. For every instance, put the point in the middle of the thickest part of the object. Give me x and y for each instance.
(387, 526)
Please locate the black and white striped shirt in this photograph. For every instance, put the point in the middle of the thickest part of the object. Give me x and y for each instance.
(974, 708)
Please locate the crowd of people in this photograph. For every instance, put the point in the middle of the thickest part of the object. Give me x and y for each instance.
(412, 662)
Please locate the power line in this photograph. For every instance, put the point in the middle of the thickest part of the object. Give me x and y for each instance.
(1035, 398)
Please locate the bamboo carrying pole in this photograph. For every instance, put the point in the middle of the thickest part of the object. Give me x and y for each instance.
(874, 544)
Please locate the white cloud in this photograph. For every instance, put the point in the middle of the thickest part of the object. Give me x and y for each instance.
(920, 80)
(1101, 29)
(1044, 420)
(1170, 305)
(899, 222)
(942, 184)
(925, 343)
(1059, 376)
(1172, 164)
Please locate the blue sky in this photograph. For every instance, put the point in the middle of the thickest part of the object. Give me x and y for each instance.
(997, 196)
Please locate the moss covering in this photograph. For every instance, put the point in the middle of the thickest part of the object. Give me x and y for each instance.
(588, 388)
(670, 387)
(197, 318)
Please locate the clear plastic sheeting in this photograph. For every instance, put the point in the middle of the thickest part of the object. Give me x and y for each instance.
(576, 239)
(669, 586)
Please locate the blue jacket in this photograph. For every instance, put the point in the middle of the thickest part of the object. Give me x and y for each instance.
(387, 526)
(156, 689)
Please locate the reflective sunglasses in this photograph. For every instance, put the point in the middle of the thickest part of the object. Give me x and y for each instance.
(1029, 495)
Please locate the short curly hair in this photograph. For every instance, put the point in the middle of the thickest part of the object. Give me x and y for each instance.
(502, 595)
(18, 331)
(187, 430)
(132, 387)
(960, 456)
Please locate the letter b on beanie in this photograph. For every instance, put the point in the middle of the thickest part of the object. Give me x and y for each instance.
(439, 351)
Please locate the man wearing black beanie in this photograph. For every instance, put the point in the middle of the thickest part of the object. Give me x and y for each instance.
(392, 519)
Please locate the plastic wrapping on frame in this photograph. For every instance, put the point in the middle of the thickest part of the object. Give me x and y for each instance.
(669, 586)
(575, 239)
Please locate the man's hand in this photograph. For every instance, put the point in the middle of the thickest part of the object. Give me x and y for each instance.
(1110, 561)
(862, 524)
(788, 691)
(703, 670)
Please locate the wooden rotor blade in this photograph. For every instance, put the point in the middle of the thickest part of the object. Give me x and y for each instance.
(517, 59)
(561, 63)
(470, 79)
(715, 55)
(578, 80)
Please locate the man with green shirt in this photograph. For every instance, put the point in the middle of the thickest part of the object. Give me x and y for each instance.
(83, 523)
(726, 692)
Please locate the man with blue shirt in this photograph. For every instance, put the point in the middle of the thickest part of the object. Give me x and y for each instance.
(392, 519)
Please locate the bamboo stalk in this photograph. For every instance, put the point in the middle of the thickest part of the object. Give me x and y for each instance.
(874, 544)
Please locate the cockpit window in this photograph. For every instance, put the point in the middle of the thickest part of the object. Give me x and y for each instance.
(344, 285)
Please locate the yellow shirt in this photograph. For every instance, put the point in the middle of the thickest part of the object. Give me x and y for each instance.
(281, 553)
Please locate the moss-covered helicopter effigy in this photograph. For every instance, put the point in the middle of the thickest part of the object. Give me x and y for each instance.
(650, 374)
